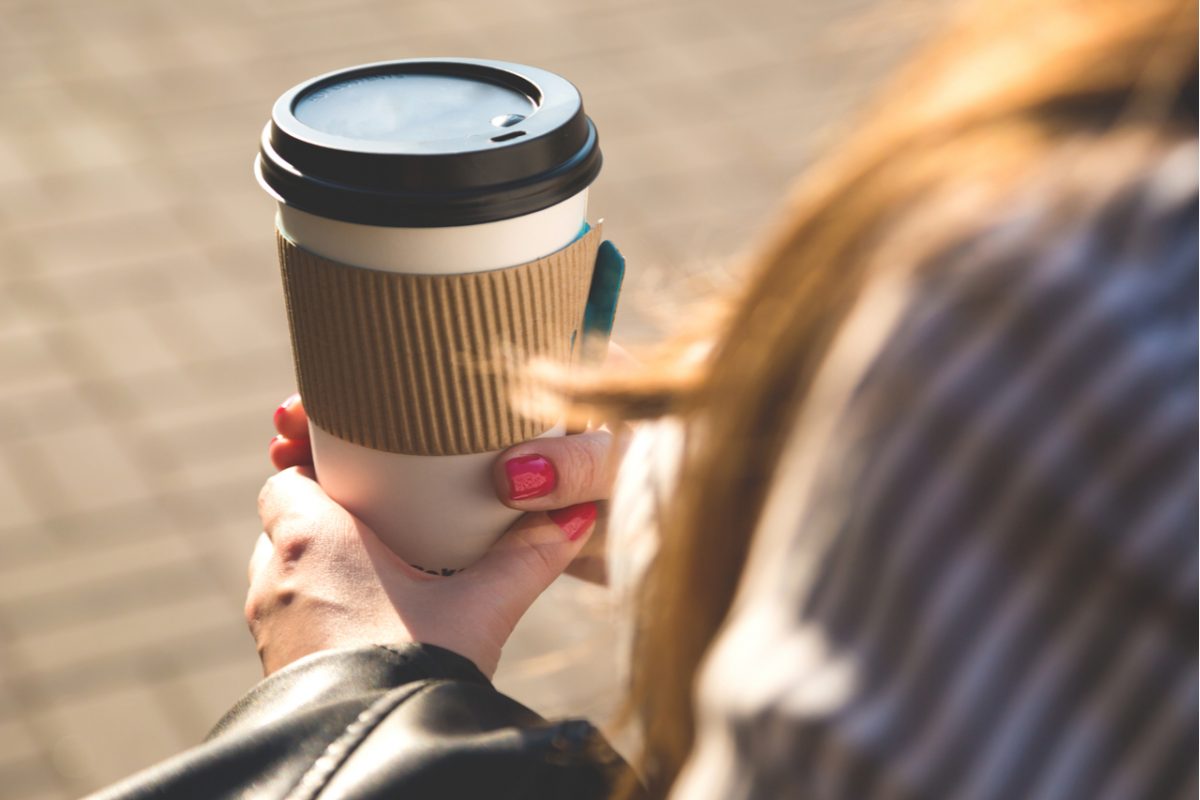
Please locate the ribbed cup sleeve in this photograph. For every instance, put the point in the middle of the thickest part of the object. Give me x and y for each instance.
(430, 364)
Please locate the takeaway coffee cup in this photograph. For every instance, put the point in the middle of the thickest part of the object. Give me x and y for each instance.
(432, 236)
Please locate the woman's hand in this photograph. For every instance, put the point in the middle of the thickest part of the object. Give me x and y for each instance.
(551, 475)
(554, 475)
(321, 579)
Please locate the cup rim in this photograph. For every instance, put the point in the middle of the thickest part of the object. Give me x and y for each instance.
(433, 183)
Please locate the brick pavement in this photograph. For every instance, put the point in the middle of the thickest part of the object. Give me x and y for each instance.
(142, 337)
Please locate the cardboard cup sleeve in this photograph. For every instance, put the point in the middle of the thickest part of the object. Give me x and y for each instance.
(430, 364)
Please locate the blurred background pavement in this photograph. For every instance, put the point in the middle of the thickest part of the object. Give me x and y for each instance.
(143, 343)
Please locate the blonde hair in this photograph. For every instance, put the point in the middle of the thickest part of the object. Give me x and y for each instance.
(982, 107)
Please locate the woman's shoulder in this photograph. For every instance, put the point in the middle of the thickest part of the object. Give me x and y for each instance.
(1078, 303)
(977, 567)
(1081, 238)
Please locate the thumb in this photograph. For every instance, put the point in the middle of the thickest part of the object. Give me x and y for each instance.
(534, 551)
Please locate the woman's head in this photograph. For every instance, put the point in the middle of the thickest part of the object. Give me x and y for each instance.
(951, 143)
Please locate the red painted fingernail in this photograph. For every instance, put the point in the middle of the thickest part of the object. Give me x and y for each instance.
(274, 439)
(574, 520)
(530, 476)
(284, 406)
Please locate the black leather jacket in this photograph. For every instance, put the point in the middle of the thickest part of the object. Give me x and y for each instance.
(399, 722)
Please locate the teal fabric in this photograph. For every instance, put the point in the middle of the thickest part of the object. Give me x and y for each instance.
(601, 308)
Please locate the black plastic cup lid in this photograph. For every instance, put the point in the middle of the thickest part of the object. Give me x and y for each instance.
(428, 143)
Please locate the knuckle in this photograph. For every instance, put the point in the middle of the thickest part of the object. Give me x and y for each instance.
(266, 601)
(587, 466)
(292, 536)
(292, 546)
(265, 496)
(252, 610)
(291, 529)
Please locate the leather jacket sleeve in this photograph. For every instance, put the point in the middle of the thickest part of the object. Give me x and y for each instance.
(413, 721)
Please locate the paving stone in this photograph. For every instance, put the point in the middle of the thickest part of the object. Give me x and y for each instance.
(115, 342)
(17, 744)
(107, 736)
(31, 779)
(148, 392)
(64, 533)
(105, 594)
(251, 262)
(41, 202)
(16, 509)
(200, 696)
(222, 498)
(66, 645)
(193, 454)
(236, 210)
(184, 400)
(143, 344)
(39, 106)
(25, 544)
(228, 544)
(221, 324)
(256, 368)
(80, 568)
(28, 364)
(97, 672)
(80, 470)
(74, 19)
(8, 707)
(15, 318)
(89, 244)
(142, 284)
(14, 168)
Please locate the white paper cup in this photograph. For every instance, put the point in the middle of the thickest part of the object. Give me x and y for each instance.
(438, 512)
(432, 510)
